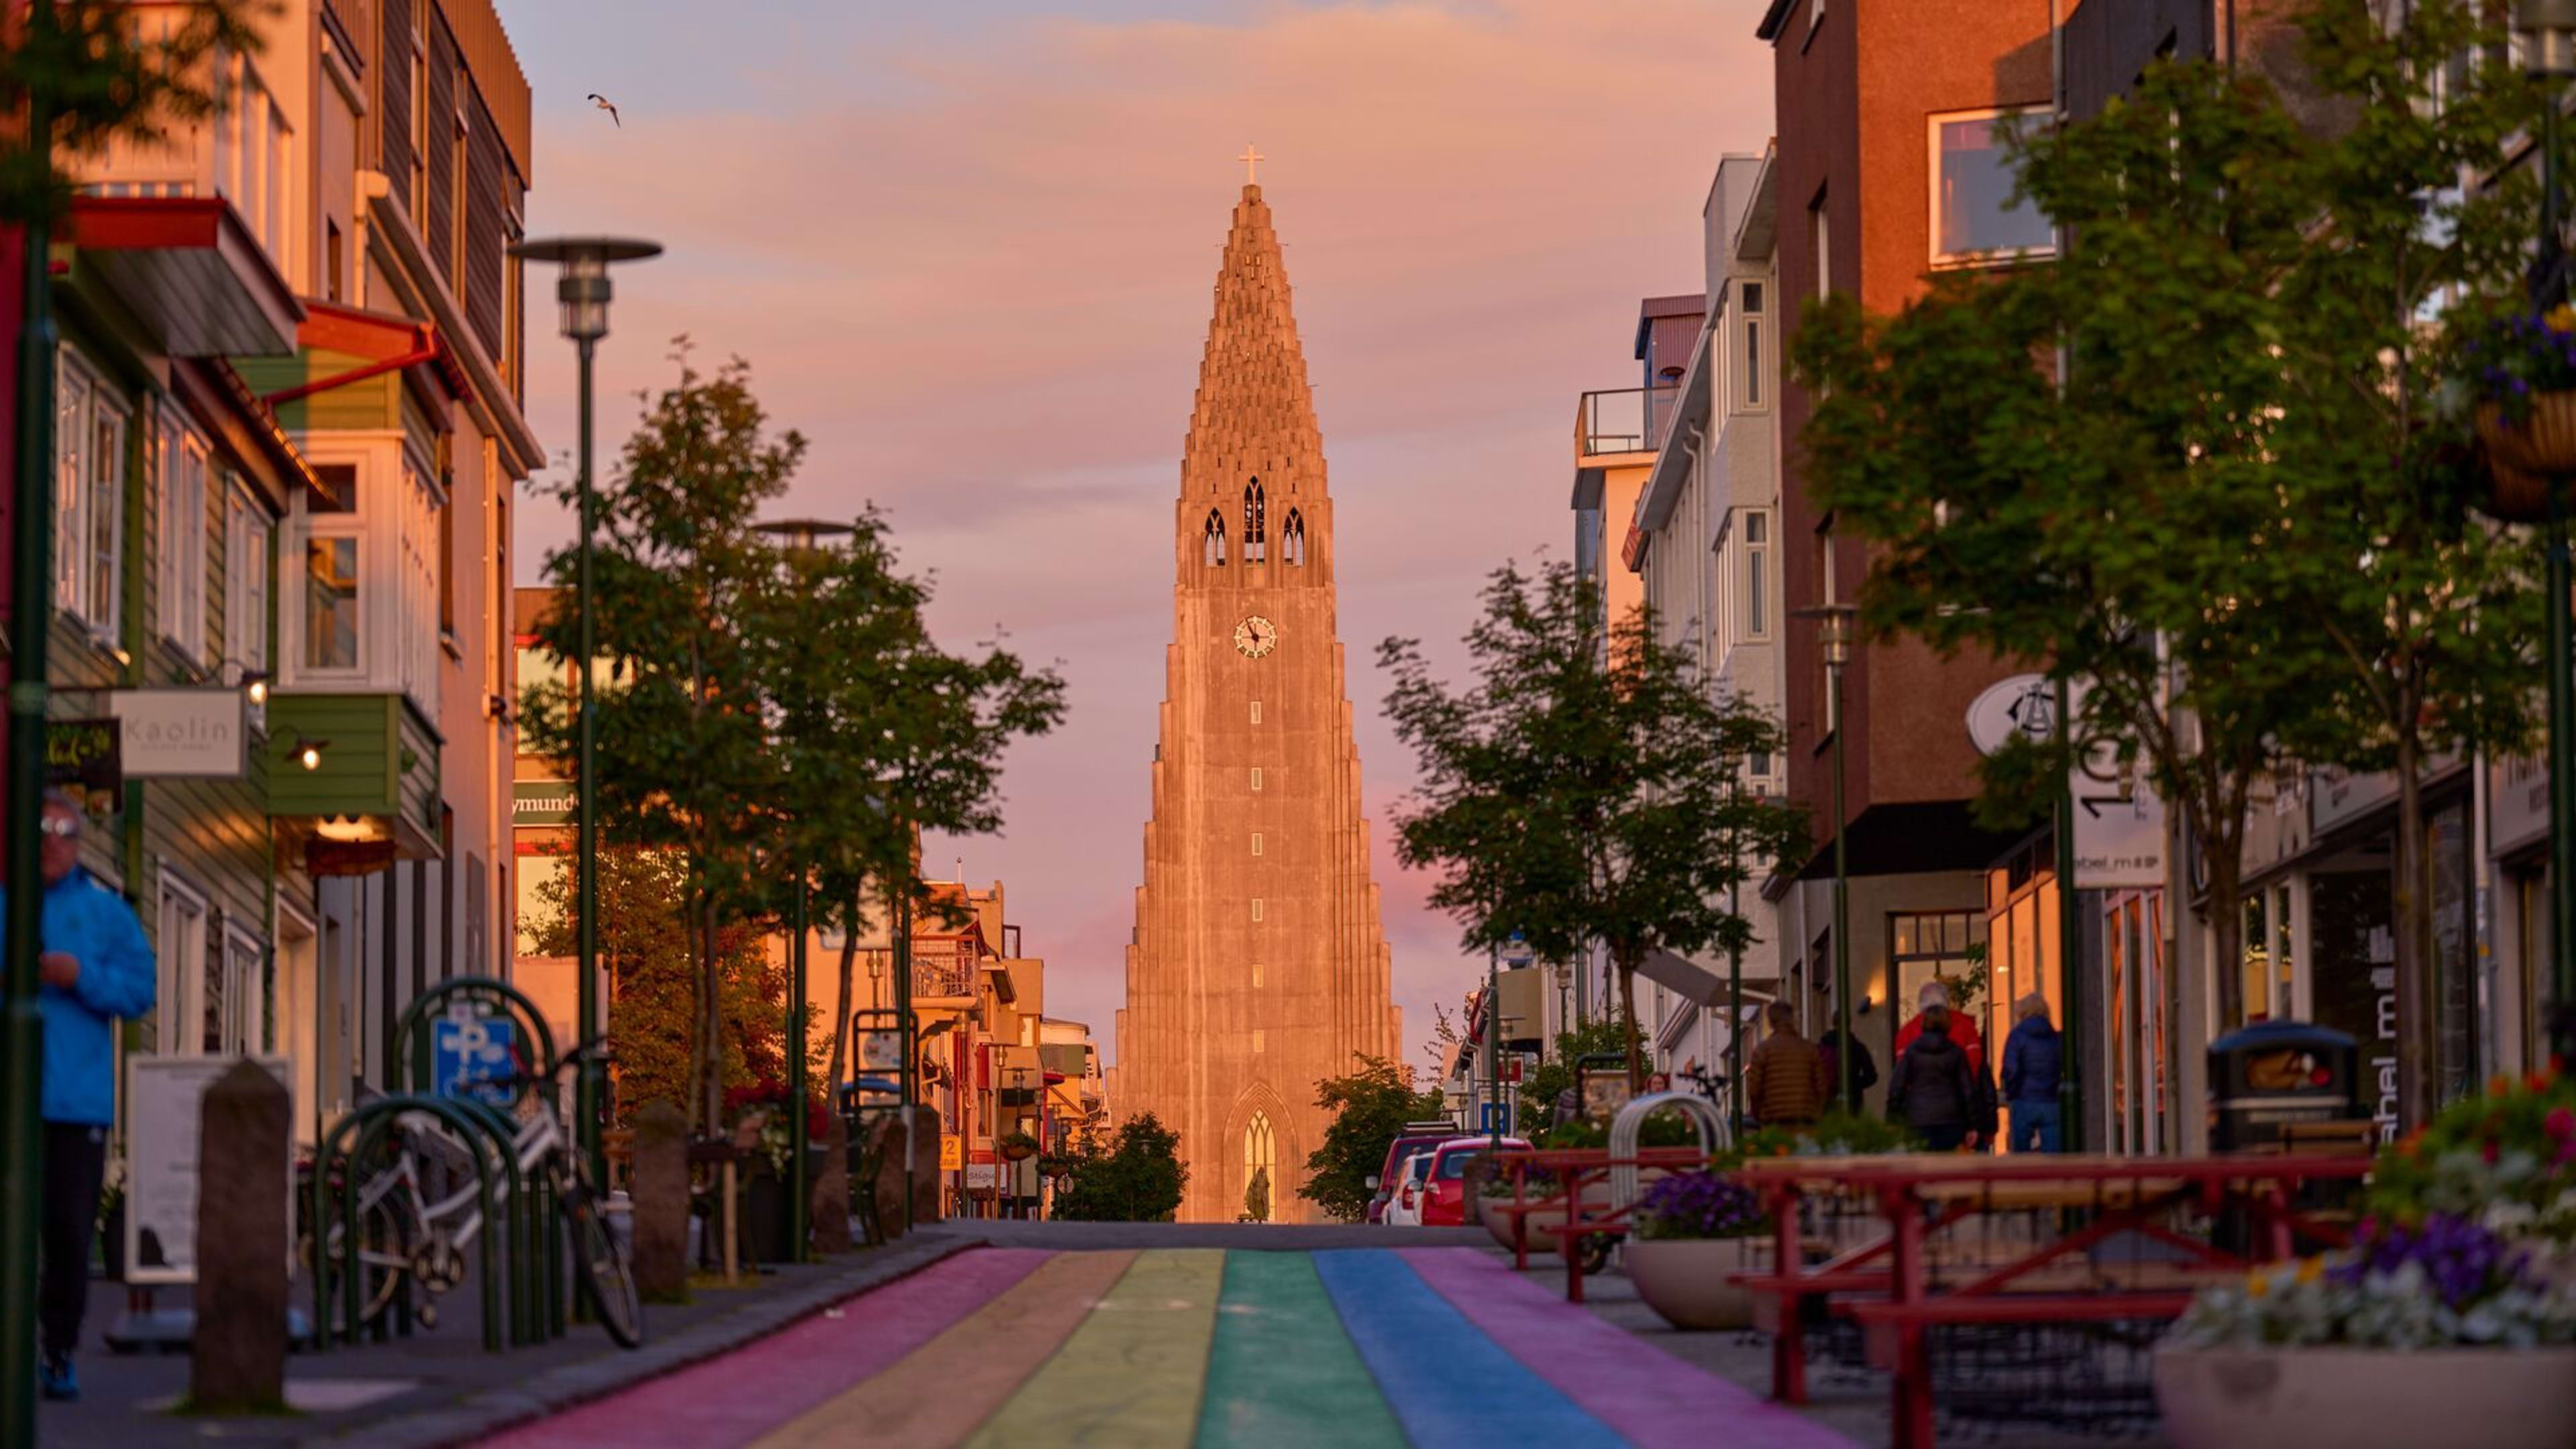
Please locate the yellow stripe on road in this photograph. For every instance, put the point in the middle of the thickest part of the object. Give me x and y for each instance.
(1132, 1375)
(936, 1395)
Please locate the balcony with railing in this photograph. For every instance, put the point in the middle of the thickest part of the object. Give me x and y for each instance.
(943, 970)
(1624, 420)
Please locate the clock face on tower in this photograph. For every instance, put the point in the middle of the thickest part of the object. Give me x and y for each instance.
(1255, 637)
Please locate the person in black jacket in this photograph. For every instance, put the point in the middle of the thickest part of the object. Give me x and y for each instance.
(1864, 1067)
(1933, 1091)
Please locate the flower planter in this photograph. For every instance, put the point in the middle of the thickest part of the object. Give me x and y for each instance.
(1686, 1279)
(2358, 1398)
(1543, 1221)
(2526, 459)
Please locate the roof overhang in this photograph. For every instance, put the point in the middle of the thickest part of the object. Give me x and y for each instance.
(1757, 236)
(494, 406)
(1663, 490)
(225, 405)
(190, 272)
(1773, 19)
(424, 354)
(1681, 976)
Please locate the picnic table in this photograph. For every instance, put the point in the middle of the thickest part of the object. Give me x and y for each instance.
(1887, 1282)
(1571, 1170)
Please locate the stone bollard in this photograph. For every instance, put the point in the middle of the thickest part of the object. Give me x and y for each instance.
(239, 1358)
(925, 1166)
(829, 1209)
(884, 1187)
(661, 1194)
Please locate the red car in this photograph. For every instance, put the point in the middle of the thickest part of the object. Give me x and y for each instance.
(1444, 1204)
(1403, 1147)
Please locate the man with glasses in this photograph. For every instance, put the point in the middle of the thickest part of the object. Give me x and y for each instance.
(96, 967)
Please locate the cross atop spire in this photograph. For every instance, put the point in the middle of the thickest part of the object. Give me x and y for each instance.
(1251, 160)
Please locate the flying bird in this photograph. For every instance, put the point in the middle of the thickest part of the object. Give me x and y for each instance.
(603, 103)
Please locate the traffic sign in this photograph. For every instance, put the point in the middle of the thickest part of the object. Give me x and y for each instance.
(471, 1057)
(1493, 1117)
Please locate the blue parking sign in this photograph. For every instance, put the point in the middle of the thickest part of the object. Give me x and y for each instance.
(471, 1058)
(1493, 1117)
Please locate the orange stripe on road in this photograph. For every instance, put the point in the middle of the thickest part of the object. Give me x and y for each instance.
(937, 1395)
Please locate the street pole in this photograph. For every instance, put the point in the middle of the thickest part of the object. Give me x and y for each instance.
(910, 1039)
(586, 982)
(22, 1038)
(797, 1036)
(1842, 906)
(2548, 288)
(2070, 946)
(1494, 1046)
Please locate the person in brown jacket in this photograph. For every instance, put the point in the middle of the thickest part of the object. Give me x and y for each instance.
(1784, 1083)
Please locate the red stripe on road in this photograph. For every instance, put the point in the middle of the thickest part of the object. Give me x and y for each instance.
(1647, 1395)
(736, 1398)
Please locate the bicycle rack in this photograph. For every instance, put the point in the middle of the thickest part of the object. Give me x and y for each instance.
(348, 1143)
(1705, 1119)
(534, 1241)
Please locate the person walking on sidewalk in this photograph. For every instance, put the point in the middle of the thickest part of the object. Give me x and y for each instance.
(1784, 1084)
(1864, 1067)
(1932, 1089)
(2034, 1067)
(95, 967)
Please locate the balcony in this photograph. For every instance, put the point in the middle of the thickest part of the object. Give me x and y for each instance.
(1626, 420)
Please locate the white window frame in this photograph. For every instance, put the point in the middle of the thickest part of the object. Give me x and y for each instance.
(245, 1004)
(1760, 575)
(187, 463)
(249, 538)
(1753, 344)
(179, 945)
(90, 490)
(1932, 194)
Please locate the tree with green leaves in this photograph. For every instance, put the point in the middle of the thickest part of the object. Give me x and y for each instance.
(881, 734)
(1534, 1107)
(2196, 462)
(684, 761)
(1585, 791)
(1370, 1107)
(1137, 1179)
(103, 79)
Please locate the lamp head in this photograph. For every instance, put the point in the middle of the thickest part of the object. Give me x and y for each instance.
(2548, 31)
(583, 287)
(308, 752)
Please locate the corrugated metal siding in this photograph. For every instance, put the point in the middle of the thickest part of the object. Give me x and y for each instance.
(438, 229)
(393, 69)
(486, 229)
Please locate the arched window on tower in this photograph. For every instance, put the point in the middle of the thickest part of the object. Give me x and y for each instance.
(1260, 1168)
(1292, 540)
(1212, 540)
(1256, 527)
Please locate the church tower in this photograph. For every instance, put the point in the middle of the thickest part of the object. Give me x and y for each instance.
(1258, 966)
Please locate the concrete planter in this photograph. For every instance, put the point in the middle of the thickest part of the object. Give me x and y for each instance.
(1687, 1279)
(2361, 1398)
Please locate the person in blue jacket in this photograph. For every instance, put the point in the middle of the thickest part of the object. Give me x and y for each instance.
(2034, 1065)
(95, 967)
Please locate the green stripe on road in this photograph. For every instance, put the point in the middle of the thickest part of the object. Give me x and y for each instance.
(1283, 1375)
(1131, 1374)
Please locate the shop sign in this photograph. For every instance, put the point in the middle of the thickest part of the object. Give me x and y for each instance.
(2022, 707)
(2517, 802)
(952, 1153)
(184, 734)
(2120, 832)
(84, 758)
(164, 1104)
(540, 803)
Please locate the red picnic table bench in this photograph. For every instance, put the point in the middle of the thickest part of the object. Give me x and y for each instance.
(1884, 1285)
(1570, 1170)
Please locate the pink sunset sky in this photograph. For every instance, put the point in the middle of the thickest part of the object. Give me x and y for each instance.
(970, 255)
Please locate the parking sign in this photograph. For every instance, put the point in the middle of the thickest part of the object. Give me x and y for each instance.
(471, 1058)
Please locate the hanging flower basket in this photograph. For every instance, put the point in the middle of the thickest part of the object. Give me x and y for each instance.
(1019, 1147)
(2526, 458)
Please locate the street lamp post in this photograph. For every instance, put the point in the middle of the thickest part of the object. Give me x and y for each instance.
(30, 616)
(1732, 764)
(1834, 641)
(584, 291)
(1517, 952)
(2548, 30)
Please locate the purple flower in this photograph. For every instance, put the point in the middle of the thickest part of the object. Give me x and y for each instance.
(1699, 1205)
(2462, 1261)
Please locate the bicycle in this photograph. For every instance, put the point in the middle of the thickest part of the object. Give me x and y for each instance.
(404, 1236)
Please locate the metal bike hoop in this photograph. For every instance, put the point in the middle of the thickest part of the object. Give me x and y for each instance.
(1704, 1117)
(348, 1142)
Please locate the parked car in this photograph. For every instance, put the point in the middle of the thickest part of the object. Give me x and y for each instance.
(1444, 1200)
(1386, 1180)
(1404, 1210)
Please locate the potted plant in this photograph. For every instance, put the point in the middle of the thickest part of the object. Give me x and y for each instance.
(2520, 374)
(2506, 1159)
(1693, 1230)
(1017, 1146)
(2389, 1343)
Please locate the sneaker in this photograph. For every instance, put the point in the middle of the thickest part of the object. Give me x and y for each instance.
(54, 1375)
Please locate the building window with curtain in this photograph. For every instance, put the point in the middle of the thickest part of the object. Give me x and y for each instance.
(1974, 216)
(89, 500)
(184, 466)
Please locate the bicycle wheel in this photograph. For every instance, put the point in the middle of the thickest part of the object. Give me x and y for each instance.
(599, 1263)
(388, 1231)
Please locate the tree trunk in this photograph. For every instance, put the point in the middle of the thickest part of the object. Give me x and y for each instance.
(2418, 1016)
(2227, 933)
(711, 1019)
(1626, 964)
(841, 1020)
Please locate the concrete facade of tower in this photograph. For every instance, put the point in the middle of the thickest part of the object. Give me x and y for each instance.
(1259, 965)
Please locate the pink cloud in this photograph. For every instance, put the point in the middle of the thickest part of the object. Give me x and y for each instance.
(979, 280)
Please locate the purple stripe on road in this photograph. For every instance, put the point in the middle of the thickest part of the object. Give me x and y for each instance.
(1647, 1395)
(738, 1397)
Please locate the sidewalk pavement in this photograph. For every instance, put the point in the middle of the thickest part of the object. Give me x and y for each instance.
(439, 1387)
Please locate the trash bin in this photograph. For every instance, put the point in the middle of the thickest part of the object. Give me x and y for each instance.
(2272, 1074)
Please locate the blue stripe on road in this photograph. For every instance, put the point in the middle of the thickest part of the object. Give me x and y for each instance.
(1448, 1383)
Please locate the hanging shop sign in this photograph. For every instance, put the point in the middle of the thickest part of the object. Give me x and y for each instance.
(84, 758)
(2021, 707)
(541, 803)
(183, 734)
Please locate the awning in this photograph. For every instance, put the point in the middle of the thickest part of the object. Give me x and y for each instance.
(1673, 973)
(190, 272)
